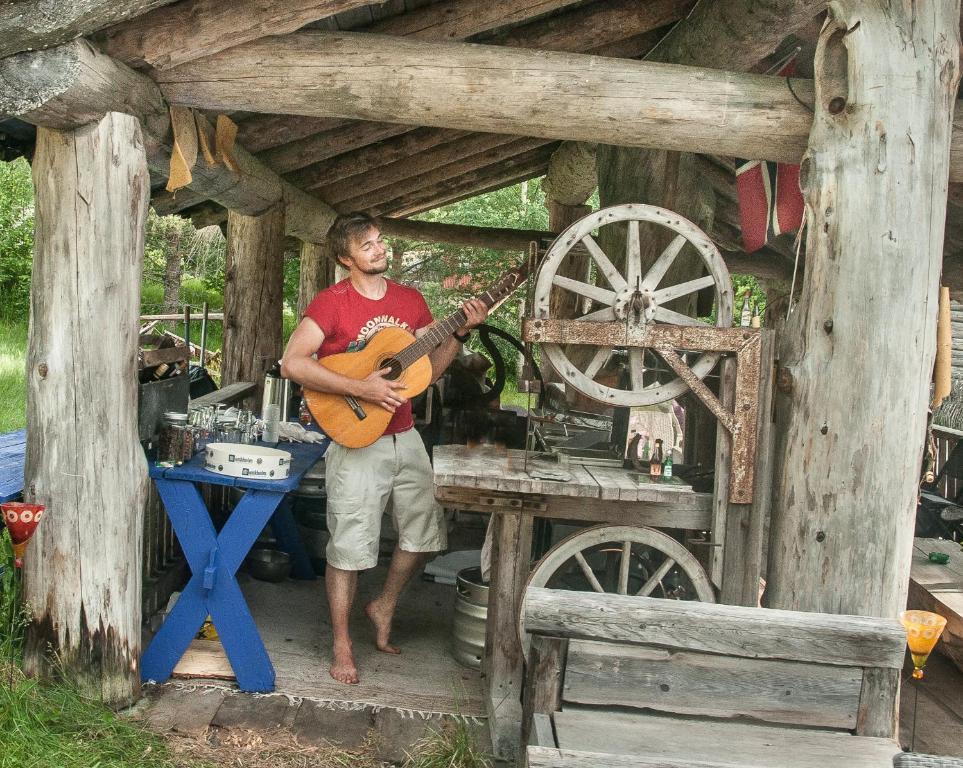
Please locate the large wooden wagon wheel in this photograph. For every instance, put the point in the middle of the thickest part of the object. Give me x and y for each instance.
(632, 297)
(620, 559)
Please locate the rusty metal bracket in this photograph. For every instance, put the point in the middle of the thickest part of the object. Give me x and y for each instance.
(744, 343)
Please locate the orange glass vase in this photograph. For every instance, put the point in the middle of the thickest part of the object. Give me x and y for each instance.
(923, 629)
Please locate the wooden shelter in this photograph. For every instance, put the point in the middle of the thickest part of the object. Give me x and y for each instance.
(402, 106)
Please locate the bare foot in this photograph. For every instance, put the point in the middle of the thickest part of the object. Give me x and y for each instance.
(343, 669)
(381, 619)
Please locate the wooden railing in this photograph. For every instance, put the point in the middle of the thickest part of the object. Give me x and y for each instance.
(946, 440)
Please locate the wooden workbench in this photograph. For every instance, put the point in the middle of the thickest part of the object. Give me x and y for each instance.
(486, 479)
(939, 588)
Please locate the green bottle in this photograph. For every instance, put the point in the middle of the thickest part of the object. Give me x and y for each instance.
(667, 466)
(645, 449)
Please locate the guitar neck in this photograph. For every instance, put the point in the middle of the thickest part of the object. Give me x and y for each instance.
(437, 333)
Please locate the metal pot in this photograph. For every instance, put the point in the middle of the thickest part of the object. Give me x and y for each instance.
(471, 615)
(269, 564)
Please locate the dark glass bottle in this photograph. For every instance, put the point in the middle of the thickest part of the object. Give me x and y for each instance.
(655, 462)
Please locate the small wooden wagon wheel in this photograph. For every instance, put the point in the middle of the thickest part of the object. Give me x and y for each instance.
(631, 297)
(620, 559)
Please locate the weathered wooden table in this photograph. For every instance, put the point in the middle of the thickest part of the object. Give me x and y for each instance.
(939, 588)
(495, 480)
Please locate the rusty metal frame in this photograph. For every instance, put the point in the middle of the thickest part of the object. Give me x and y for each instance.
(744, 343)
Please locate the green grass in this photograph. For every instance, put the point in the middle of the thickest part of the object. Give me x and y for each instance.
(13, 382)
(52, 726)
(451, 746)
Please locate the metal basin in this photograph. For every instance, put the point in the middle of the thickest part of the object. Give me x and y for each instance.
(269, 564)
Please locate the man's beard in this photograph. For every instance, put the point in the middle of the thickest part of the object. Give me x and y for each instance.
(375, 270)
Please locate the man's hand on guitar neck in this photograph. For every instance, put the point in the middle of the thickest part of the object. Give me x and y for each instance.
(374, 388)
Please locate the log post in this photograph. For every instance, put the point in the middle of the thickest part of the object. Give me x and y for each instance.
(317, 273)
(253, 295)
(84, 462)
(858, 350)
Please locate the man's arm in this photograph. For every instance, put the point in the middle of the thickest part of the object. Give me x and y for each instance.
(442, 355)
(299, 365)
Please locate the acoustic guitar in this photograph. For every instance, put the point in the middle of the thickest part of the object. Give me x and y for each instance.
(355, 423)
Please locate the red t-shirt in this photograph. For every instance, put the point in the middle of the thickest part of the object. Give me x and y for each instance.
(349, 319)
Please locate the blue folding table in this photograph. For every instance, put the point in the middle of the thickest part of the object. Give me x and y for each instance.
(13, 448)
(214, 559)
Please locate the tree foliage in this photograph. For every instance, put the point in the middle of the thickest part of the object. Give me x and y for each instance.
(16, 237)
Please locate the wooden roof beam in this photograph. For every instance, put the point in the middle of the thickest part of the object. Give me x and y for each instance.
(512, 91)
(73, 84)
(30, 25)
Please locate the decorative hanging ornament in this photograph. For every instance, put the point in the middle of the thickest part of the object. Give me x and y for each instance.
(21, 520)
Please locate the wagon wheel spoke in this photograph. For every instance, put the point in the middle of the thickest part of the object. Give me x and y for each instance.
(601, 295)
(606, 314)
(657, 271)
(656, 578)
(633, 255)
(598, 361)
(606, 267)
(664, 315)
(636, 367)
(683, 289)
(624, 567)
(587, 570)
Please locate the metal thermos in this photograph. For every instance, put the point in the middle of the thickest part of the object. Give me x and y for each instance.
(277, 391)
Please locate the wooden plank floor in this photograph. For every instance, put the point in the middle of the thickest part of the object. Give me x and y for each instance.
(938, 705)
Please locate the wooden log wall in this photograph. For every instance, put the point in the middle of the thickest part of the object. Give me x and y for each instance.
(855, 368)
(84, 461)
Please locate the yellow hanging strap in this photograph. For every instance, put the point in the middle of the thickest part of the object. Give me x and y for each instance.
(184, 154)
(942, 368)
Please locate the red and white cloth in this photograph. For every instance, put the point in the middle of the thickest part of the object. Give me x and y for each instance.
(770, 200)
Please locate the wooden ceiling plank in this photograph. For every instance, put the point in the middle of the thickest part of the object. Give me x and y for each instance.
(372, 156)
(191, 30)
(261, 132)
(321, 146)
(433, 184)
(460, 19)
(593, 26)
(460, 152)
(503, 156)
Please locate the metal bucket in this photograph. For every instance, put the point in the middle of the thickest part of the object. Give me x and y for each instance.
(471, 614)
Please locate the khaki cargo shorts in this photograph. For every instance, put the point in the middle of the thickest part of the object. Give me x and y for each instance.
(362, 481)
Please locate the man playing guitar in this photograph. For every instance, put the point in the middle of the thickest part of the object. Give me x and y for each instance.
(361, 481)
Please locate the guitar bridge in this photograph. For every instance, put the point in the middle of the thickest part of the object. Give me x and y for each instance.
(356, 407)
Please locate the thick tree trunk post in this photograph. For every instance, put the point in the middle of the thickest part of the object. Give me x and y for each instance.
(172, 270)
(317, 273)
(84, 461)
(859, 348)
(253, 295)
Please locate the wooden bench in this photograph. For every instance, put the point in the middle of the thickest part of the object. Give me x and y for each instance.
(632, 681)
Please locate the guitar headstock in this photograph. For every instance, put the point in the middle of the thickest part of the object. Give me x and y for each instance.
(510, 282)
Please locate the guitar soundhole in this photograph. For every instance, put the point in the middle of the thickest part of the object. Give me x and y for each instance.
(394, 364)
